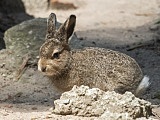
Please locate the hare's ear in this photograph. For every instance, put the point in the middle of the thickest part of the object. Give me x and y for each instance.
(66, 29)
(51, 24)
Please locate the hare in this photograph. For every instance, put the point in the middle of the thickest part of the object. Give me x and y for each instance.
(94, 67)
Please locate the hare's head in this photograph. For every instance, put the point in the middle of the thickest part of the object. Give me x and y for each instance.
(55, 53)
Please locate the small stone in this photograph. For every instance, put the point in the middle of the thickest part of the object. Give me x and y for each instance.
(37, 57)
(81, 38)
(4, 75)
(67, 101)
(154, 27)
(43, 117)
(30, 32)
(2, 65)
(8, 106)
(48, 117)
(99, 111)
(5, 114)
(45, 100)
(27, 46)
(51, 109)
(34, 108)
(34, 118)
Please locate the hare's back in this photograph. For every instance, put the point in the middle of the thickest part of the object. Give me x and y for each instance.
(107, 69)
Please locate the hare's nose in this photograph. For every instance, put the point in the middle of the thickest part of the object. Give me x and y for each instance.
(43, 69)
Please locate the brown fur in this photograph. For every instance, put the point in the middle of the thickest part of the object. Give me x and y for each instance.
(94, 67)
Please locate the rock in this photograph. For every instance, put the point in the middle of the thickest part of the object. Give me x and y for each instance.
(83, 101)
(154, 27)
(26, 37)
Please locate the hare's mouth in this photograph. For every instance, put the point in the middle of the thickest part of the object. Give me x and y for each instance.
(50, 73)
(48, 70)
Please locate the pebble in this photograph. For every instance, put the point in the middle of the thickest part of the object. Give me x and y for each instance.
(2, 65)
(30, 32)
(37, 57)
(34, 108)
(4, 75)
(154, 27)
(51, 109)
(27, 46)
(5, 114)
(45, 100)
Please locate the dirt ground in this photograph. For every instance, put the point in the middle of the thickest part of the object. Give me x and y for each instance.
(123, 25)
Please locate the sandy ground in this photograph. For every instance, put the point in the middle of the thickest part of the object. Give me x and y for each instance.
(120, 25)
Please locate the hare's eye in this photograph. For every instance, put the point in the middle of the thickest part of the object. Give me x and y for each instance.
(55, 55)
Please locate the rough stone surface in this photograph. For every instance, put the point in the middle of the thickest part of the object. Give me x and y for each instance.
(26, 37)
(83, 101)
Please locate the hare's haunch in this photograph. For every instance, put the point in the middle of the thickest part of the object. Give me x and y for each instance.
(94, 67)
